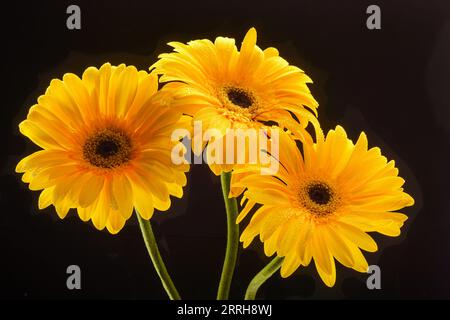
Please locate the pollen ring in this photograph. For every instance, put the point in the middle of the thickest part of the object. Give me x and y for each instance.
(240, 97)
(319, 198)
(108, 148)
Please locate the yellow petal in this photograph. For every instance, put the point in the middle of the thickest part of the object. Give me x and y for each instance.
(122, 192)
(84, 213)
(328, 279)
(126, 93)
(175, 190)
(289, 237)
(62, 208)
(254, 227)
(290, 263)
(91, 191)
(250, 204)
(101, 212)
(38, 136)
(115, 222)
(360, 238)
(45, 198)
(271, 244)
(143, 202)
(338, 247)
(321, 254)
(273, 221)
(270, 196)
(304, 236)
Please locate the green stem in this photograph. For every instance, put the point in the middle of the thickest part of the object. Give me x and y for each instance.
(232, 239)
(261, 277)
(158, 263)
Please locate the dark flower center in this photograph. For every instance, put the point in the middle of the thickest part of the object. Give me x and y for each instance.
(240, 97)
(319, 193)
(107, 148)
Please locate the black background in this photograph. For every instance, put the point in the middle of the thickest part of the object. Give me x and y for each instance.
(393, 83)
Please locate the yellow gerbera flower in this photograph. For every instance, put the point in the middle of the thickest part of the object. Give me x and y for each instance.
(106, 146)
(224, 88)
(322, 206)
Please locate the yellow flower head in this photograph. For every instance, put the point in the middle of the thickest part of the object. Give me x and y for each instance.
(225, 88)
(106, 146)
(322, 205)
